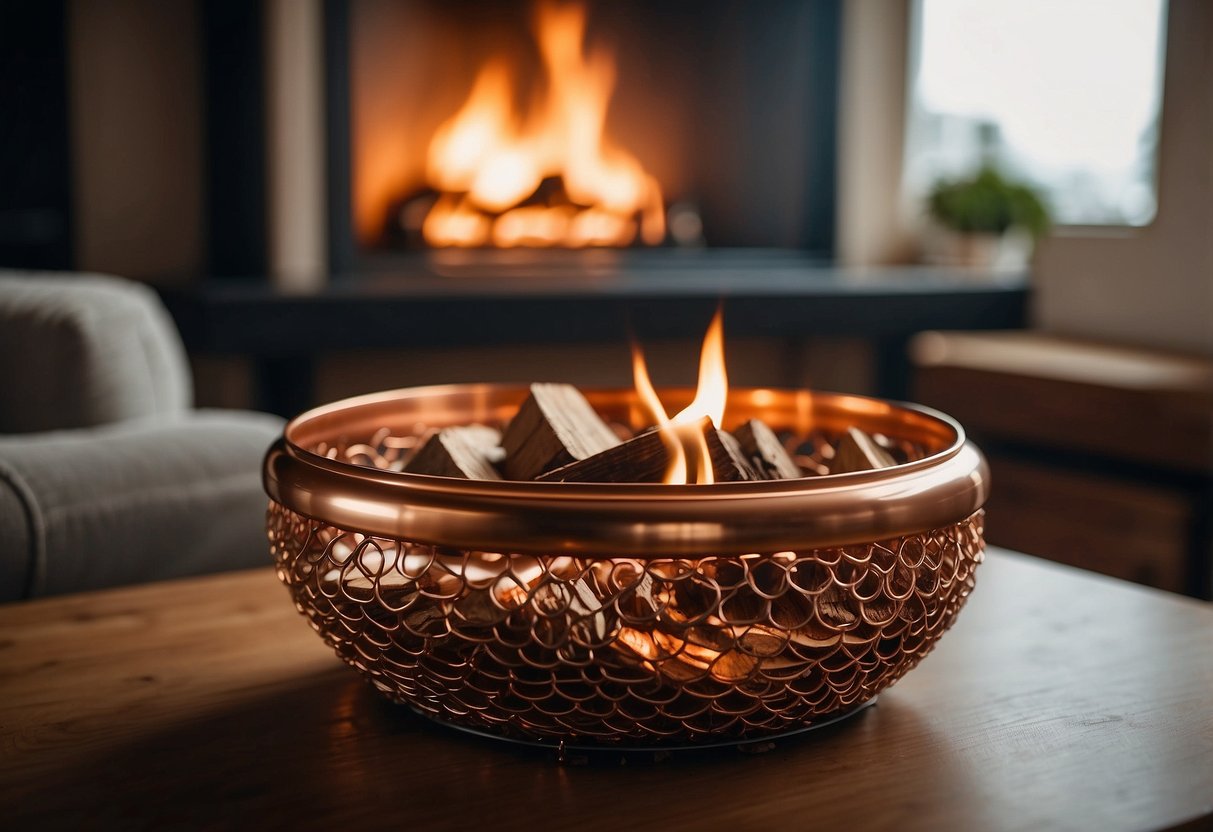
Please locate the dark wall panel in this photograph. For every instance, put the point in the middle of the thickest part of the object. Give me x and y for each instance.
(35, 166)
(234, 79)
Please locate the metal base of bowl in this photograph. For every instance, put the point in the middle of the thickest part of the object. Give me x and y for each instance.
(563, 749)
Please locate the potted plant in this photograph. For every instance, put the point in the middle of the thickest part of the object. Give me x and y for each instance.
(985, 221)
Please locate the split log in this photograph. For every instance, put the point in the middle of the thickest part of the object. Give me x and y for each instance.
(762, 447)
(641, 459)
(645, 458)
(476, 609)
(467, 452)
(795, 614)
(729, 463)
(683, 660)
(857, 451)
(554, 427)
(641, 597)
(759, 641)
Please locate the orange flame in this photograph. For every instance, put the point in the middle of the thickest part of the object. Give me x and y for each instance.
(676, 471)
(453, 219)
(713, 388)
(683, 435)
(496, 159)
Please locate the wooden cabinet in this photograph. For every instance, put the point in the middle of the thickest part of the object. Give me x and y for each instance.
(1120, 527)
(1101, 456)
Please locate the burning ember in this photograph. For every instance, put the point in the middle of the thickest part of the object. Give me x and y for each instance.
(549, 177)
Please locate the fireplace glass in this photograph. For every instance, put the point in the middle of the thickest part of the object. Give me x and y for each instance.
(466, 125)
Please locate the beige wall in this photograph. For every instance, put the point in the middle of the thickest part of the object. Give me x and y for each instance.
(136, 117)
(872, 223)
(295, 163)
(1152, 286)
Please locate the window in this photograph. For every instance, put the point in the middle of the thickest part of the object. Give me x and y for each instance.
(1062, 93)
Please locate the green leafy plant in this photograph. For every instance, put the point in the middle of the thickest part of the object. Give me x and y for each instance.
(988, 202)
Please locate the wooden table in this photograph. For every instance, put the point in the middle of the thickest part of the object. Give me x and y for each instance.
(1060, 700)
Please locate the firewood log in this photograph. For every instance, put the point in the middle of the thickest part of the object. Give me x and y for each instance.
(857, 451)
(763, 448)
(468, 452)
(645, 458)
(555, 426)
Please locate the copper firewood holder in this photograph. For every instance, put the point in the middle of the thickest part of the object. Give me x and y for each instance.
(626, 614)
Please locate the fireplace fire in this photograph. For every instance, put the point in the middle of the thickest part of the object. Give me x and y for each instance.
(528, 132)
(545, 177)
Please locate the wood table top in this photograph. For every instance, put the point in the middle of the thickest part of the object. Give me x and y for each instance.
(1060, 699)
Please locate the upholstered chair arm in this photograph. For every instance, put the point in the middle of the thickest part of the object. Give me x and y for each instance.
(131, 502)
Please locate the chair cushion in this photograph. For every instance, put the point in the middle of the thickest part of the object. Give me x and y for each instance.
(83, 350)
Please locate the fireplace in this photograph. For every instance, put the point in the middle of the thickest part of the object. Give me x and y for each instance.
(730, 107)
(462, 127)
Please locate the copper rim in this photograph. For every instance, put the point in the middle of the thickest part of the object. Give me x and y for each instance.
(632, 520)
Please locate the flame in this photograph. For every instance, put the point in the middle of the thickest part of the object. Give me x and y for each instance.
(713, 389)
(496, 159)
(453, 219)
(683, 435)
(461, 145)
(676, 471)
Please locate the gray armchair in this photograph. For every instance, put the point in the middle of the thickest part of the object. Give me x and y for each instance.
(107, 476)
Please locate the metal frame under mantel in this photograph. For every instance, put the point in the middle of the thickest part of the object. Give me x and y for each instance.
(487, 302)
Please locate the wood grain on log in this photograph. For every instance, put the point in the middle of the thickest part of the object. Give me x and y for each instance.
(554, 427)
(645, 458)
(1108, 727)
(763, 448)
(729, 463)
(467, 452)
(857, 451)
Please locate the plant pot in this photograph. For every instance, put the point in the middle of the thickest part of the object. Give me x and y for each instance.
(977, 250)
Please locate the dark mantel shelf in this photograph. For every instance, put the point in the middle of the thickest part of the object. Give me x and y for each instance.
(497, 298)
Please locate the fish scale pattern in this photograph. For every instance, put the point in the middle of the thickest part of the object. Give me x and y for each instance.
(627, 651)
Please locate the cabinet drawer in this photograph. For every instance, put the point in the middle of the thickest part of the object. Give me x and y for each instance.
(1131, 530)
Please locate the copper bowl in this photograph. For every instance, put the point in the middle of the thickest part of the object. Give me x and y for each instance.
(634, 614)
